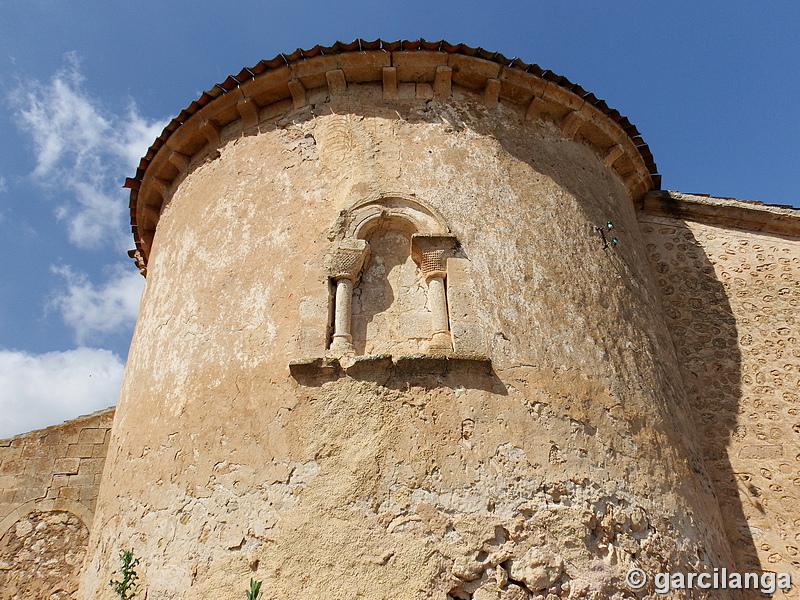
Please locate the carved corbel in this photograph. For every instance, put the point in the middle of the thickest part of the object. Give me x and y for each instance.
(248, 110)
(298, 91)
(491, 93)
(138, 258)
(211, 131)
(337, 84)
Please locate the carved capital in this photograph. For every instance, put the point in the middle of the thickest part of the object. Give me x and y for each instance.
(137, 256)
(431, 252)
(347, 259)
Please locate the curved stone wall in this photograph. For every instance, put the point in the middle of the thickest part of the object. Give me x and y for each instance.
(730, 284)
(548, 451)
(402, 71)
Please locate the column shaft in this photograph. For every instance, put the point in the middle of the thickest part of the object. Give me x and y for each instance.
(437, 300)
(342, 319)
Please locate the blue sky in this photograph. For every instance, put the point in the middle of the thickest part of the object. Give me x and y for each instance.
(86, 86)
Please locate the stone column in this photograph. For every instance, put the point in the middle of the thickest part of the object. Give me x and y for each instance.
(430, 252)
(344, 271)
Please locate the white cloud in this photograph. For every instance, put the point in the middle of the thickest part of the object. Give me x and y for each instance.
(45, 389)
(85, 150)
(92, 311)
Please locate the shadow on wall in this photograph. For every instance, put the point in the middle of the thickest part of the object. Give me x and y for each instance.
(695, 302)
(381, 290)
(704, 331)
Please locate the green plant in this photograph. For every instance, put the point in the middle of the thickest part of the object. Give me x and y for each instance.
(127, 587)
(255, 590)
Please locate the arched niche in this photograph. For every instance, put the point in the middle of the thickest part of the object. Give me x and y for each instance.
(42, 545)
(410, 214)
(388, 273)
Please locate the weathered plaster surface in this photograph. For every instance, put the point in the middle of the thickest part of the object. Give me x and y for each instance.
(550, 475)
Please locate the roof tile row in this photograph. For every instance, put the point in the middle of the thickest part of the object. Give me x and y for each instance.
(232, 82)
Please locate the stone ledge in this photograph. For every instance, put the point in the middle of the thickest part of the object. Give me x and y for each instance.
(381, 367)
(729, 212)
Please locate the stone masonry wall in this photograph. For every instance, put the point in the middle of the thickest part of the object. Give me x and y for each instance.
(48, 489)
(731, 298)
(423, 484)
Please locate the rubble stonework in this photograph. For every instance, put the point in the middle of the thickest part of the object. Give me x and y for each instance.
(49, 481)
(383, 350)
(731, 295)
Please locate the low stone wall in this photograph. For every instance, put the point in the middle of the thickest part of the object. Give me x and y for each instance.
(729, 273)
(48, 488)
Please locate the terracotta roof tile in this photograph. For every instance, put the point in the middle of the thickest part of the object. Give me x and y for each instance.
(233, 82)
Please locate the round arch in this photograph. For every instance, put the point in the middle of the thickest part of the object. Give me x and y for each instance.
(64, 504)
(368, 214)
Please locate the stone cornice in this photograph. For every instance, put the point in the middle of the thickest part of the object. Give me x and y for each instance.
(729, 212)
(431, 69)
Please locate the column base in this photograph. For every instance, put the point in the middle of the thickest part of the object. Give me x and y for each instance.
(342, 345)
(441, 342)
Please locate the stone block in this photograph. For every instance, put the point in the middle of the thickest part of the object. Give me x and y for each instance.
(761, 452)
(12, 466)
(421, 364)
(27, 494)
(468, 338)
(416, 324)
(90, 466)
(519, 86)
(87, 494)
(337, 84)
(39, 467)
(92, 436)
(311, 371)
(51, 438)
(99, 450)
(418, 66)
(313, 73)
(31, 449)
(425, 91)
(472, 72)
(491, 93)
(406, 91)
(66, 466)
(371, 367)
(312, 341)
(364, 66)
(72, 480)
(70, 492)
(10, 452)
(80, 451)
(299, 96)
(442, 85)
(565, 98)
(389, 83)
